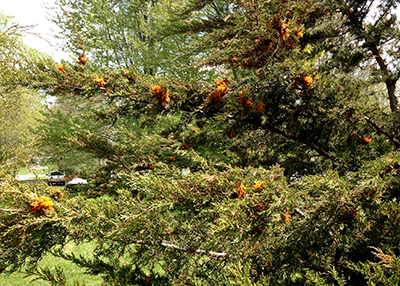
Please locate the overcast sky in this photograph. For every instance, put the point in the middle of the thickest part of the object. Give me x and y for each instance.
(33, 12)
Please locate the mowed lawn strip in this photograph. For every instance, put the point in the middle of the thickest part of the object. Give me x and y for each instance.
(73, 272)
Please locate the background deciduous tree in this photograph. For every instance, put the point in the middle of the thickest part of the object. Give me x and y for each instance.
(19, 115)
(61, 119)
(131, 34)
(19, 106)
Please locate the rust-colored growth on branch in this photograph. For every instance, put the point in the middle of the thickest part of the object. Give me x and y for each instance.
(222, 86)
(100, 82)
(354, 214)
(245, 102)
(215, 97)
(282, 28)
(257, 209)
(161, 95)
(41, 204)
(260, 108)
(259, 185)
(297, 32)
(240, 190)
(307, 81)
(348, 214)
(304, 82)
(57, 194)
(222, 89)
(82, 60)
(366, 140)
(256, 56)
(286, 216)
(148, 279)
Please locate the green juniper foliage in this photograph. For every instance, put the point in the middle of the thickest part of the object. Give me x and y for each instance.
(278, 168)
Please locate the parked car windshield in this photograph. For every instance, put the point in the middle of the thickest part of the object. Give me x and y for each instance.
(56, 173)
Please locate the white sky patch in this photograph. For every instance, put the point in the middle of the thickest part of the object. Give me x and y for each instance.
(33, 12)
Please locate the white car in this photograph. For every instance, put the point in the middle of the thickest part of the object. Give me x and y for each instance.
(55, 178)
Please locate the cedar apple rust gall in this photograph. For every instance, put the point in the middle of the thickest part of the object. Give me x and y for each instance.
(216, 95)
(286, 216)
(366, 140)
(82, 60)
(240, 190)
(41, 204)
(259, 185)
(260, 108)
(245, 102)
(307, 81)
(160, 94)
(100, 82)
(297, 32)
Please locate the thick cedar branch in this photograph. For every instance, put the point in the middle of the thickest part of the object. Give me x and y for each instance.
(13, 210)
(383, 131)
(320, 150)
(152, 243)
(390, 80)
(173, 246)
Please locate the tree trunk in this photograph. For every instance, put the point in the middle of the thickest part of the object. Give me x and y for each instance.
(390, 80)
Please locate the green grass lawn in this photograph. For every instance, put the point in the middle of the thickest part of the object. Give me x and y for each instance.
(44, 181)
(72, 272)
(28, 170)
